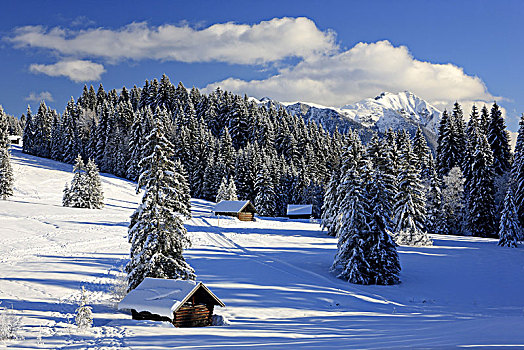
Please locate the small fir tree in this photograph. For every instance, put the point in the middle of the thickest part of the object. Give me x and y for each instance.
(509, 229)
(77, 194)
(222, 190)
(95, 198)
(84, 314)
(232, 190)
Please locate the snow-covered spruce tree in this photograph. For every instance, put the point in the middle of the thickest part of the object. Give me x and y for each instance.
(435, 218)
(481, 219)
(366, 253)
(509, 228)
(452, 208)
(156, 232)
(4, 129)
(353, 161)
(422, 155)
(84, 314)
(266, 198)
(409, 208)
(6, 174)
(498, 141)
(517, 172)
(484, 121)
(6, 171)
(222, 190)
(472, 132)
(451, 141)
(444, 149)
(458, 141)
(232, 190)
(226, 153)
(27, 142)
(95, 199)
(330, 207)
(77, 194)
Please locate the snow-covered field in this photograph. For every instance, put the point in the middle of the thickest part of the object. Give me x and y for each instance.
(272, 275)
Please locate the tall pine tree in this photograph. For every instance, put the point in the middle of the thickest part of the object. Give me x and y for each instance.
(517, 172)
(6, 171)
(409, 209)
(366, 253)
(156, 232)
(481, 211)
(498, 141)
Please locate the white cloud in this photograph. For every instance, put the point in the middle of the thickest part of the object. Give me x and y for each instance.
(41, 96)
(82, 21)
(264, 42)
(76, 70)
(324, 74)
(361, 72)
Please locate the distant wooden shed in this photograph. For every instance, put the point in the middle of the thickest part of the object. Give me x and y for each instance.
(15, 139)
(243, 210)
(299, 211)
(183, 303)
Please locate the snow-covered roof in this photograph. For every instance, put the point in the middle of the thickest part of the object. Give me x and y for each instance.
(14, 137)
(299, 209)
(231, 206)
(161, 296)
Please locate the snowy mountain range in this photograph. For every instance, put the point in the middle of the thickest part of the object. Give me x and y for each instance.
(403, 110)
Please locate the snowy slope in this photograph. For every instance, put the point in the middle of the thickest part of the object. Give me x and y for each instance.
(272, 275)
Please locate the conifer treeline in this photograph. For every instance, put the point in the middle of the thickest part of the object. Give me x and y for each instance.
(274, 158)
(392, 188)
(475, 164)
(463, 190)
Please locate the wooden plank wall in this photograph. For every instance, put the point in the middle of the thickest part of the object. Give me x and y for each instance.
(193, 316)
(245, 216)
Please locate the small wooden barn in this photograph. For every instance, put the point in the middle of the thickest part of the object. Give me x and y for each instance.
(15, 139)
(183, 303)
(243, 210)
(299, 211)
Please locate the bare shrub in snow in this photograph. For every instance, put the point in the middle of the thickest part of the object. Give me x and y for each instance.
(119, 286)
(10, 324)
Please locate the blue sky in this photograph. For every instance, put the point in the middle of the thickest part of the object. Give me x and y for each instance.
(328, 52)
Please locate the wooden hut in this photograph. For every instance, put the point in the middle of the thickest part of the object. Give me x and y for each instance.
(183, 303)
(299, 211)
(15, 140)
(243, 210)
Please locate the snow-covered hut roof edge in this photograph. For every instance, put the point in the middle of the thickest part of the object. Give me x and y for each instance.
(162, 296)
(231, 206)
(299, 209)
